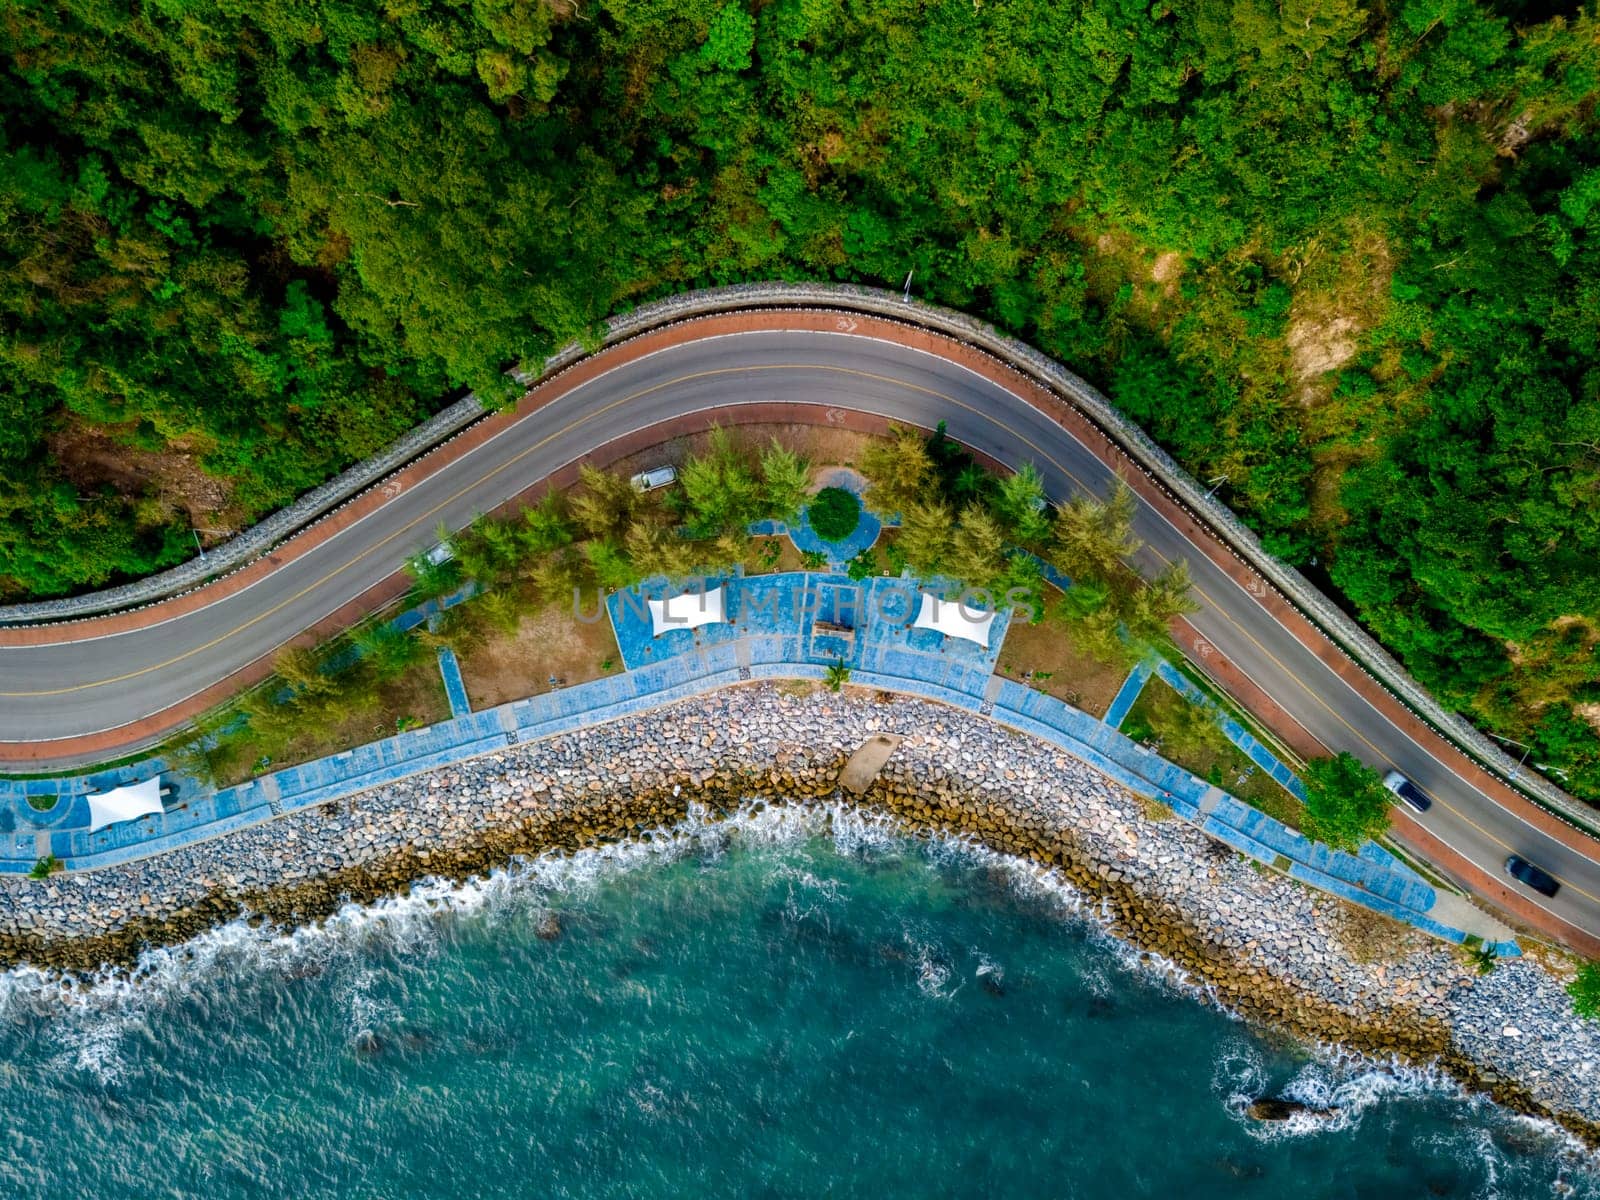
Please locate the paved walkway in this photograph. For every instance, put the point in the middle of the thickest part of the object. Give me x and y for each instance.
(1330, 701)
(455, 688)
(772, 633)
(1128, 694)
(808, 541)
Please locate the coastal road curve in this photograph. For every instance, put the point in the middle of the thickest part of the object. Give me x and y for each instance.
(85, 690)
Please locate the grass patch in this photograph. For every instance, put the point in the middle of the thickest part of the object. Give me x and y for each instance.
(411, 700)
(834, 514)
(1232, 707)
(1187, 734)
(42, 803)
(308, 710)
(1153, 809)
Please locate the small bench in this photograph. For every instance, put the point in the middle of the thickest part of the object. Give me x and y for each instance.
(834, 629)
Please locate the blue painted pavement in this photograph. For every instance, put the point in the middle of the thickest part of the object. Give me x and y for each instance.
(454, 686)
(808, 541)
(1127, 694)
(771, 632)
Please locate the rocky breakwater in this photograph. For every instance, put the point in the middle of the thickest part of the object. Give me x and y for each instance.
(1258, 942)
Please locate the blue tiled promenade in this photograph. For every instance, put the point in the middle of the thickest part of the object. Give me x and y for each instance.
(771, 632)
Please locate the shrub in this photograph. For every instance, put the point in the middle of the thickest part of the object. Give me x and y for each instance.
(838, 675)
(863, 565)
(46, 867)
(1346, 802)
(835, 513)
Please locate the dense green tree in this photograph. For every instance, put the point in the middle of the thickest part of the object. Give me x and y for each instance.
(722, 488)
(785, 476)
(388, 652)
(1094, 539)
(925, 535)
(976, 556)
(605, 505)
(899, 472)
(1019, 504)
(1346, 802)
(1342, 260)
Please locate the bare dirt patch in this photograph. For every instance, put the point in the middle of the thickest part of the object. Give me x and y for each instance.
(1320, 345)
(1059, 667)
(1121, 258)
(1166, 270)
(549, 642)
(93, 460)
(1590, 713)
(1341, 289)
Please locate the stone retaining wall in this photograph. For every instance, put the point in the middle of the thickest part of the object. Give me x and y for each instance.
(245, 547)
(1265, 946)
(1179, 486)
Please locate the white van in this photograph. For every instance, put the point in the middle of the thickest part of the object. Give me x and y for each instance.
(655, 477)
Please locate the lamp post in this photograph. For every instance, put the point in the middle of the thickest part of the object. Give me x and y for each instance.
(1526, 750)
(195, 533)
(1215, 484)
(906, 293)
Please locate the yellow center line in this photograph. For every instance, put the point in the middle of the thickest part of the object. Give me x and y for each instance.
(1215, 607)
(404, 529)
(689, 378)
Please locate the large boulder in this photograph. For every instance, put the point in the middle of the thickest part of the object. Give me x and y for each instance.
(1276, 1108)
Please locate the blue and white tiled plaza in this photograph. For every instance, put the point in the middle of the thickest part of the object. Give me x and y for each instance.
(789, 625)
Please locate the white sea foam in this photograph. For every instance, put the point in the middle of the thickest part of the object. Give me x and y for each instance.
(934, 972)
(1341, 1084)
(90, 1016)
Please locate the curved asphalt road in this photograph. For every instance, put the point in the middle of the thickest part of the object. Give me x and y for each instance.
(77, 687)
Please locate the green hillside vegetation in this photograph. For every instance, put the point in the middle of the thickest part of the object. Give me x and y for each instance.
(1343, 261)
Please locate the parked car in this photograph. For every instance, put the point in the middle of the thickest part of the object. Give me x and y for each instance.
(655, 477)
(1413, 796)
(1525, 872)
(440, 553)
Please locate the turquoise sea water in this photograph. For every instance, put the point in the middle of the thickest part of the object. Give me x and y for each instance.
(775, 1006)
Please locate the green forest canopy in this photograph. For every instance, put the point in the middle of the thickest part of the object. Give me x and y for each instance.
(1347, 257)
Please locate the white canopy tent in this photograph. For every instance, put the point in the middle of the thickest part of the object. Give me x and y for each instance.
(952, 619)
(687, 610)
(124, 803)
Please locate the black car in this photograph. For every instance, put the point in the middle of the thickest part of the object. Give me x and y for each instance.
(1524, 871)
(1410, 793)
